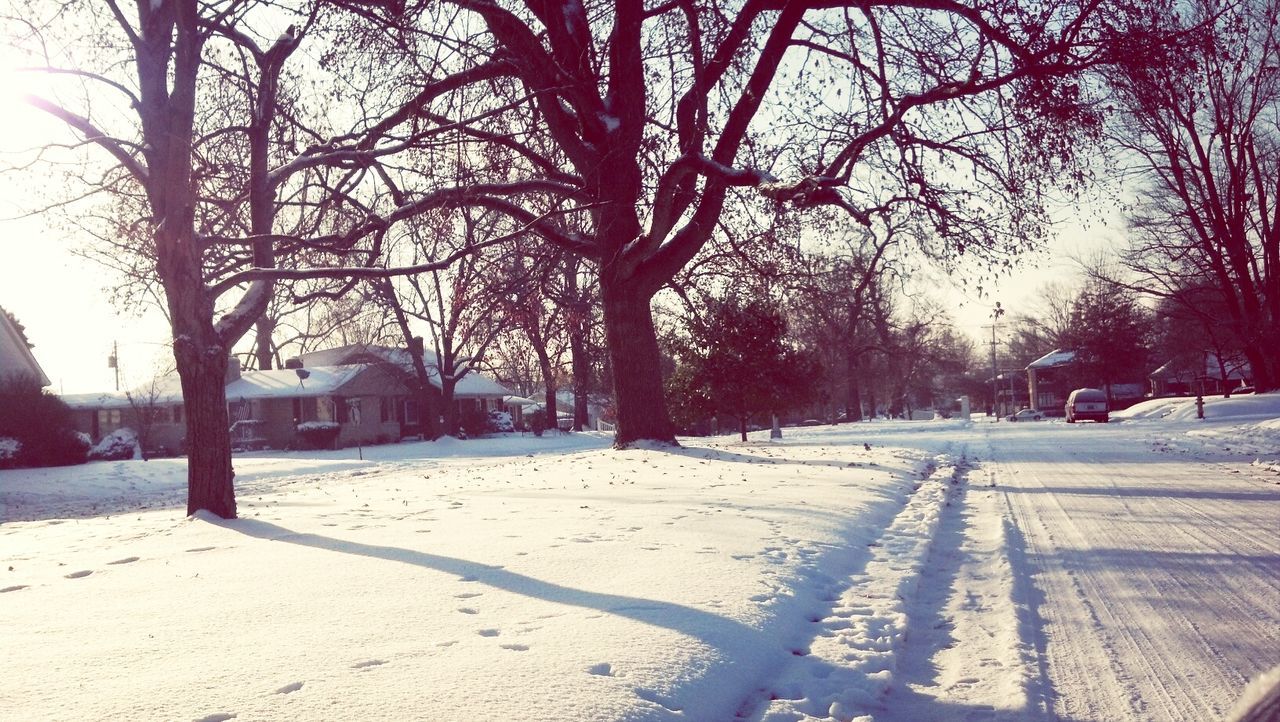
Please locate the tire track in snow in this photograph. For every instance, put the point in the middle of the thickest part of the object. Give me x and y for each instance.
(1158, 575)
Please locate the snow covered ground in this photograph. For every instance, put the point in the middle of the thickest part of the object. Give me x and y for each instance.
(949, 571)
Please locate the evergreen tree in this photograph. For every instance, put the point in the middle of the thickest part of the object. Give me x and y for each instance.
(737, 361)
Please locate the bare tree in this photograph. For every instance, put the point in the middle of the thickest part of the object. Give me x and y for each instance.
(460, 305)
(651, 117)
(220, 172)
(1201, 128)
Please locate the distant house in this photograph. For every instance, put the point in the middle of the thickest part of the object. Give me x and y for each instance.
(1199, 374)
(1048, 381)
(364, 390)
(473, 392)
(16, 359)
(1052, 377)
(99, 414)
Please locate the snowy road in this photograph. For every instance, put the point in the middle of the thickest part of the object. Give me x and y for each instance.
(891, 572)
(1154, 571)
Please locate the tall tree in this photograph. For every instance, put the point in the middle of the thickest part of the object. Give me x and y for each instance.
(1202, 129)
(1110, 333)
(207, 151)
(654, 118)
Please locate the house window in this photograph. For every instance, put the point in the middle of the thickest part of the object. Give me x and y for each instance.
(410, 412)
(304, 410)
(340, 410)
(384, 409)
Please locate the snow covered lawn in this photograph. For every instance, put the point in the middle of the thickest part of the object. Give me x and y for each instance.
(530, 582)
(949, 571)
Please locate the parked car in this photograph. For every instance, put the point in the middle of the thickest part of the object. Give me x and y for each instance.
(1025, 415)
(1087, 404)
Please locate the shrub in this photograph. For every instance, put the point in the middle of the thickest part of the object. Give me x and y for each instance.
(9, 448)
(474, 423)
(538, 422)
(40, 423)
(119, 445)
(500, 421)
(318, 434)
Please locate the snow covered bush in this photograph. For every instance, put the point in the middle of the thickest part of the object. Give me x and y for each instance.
(119, 445)
(9, 448)
(41, 424)
(319, 434)
(500, 421)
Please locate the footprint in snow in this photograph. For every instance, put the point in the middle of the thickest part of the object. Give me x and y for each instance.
(14, 588)
(488, 632)
(649, 695)
(367, 664)
(80, 574)
(217, 717)
(516, 647)
(467, 595)
(126, 560)
(202, 549)
(604, 669)
(468, 610)
(290, 688)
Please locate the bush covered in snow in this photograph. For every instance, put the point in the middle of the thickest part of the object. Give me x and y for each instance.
(318, 434)
(500, 421)
(40, 423)
(9, 452)
(119, 445)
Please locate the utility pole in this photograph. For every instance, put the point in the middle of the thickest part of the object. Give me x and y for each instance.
(113, 363)
(996, 313)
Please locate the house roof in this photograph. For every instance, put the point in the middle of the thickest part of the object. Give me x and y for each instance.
(103, 400)
(473, 385)
(1174, 368)
(1053, 359)
(15, 357)
(286, 383)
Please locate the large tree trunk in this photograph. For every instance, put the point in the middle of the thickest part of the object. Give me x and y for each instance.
(581, 374)
(263, 331)
(202, 368)
(853, 399)
(637, 370)
(1261, 366)
(209, 472)
(549, 402)
(450, 411)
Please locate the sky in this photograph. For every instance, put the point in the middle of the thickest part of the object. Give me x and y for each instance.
(64, 300)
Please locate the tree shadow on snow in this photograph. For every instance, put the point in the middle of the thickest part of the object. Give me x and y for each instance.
(711, 628)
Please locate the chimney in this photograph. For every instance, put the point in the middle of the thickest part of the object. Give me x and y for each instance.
(293, 363)
(233, 369)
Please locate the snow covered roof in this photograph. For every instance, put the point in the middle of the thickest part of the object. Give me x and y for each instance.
(1053, 359)
(102, 400)
(285, 383)
(15, 357)
(473, 385)
(1174, 368)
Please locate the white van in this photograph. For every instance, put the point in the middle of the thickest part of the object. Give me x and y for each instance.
(1086, 404)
